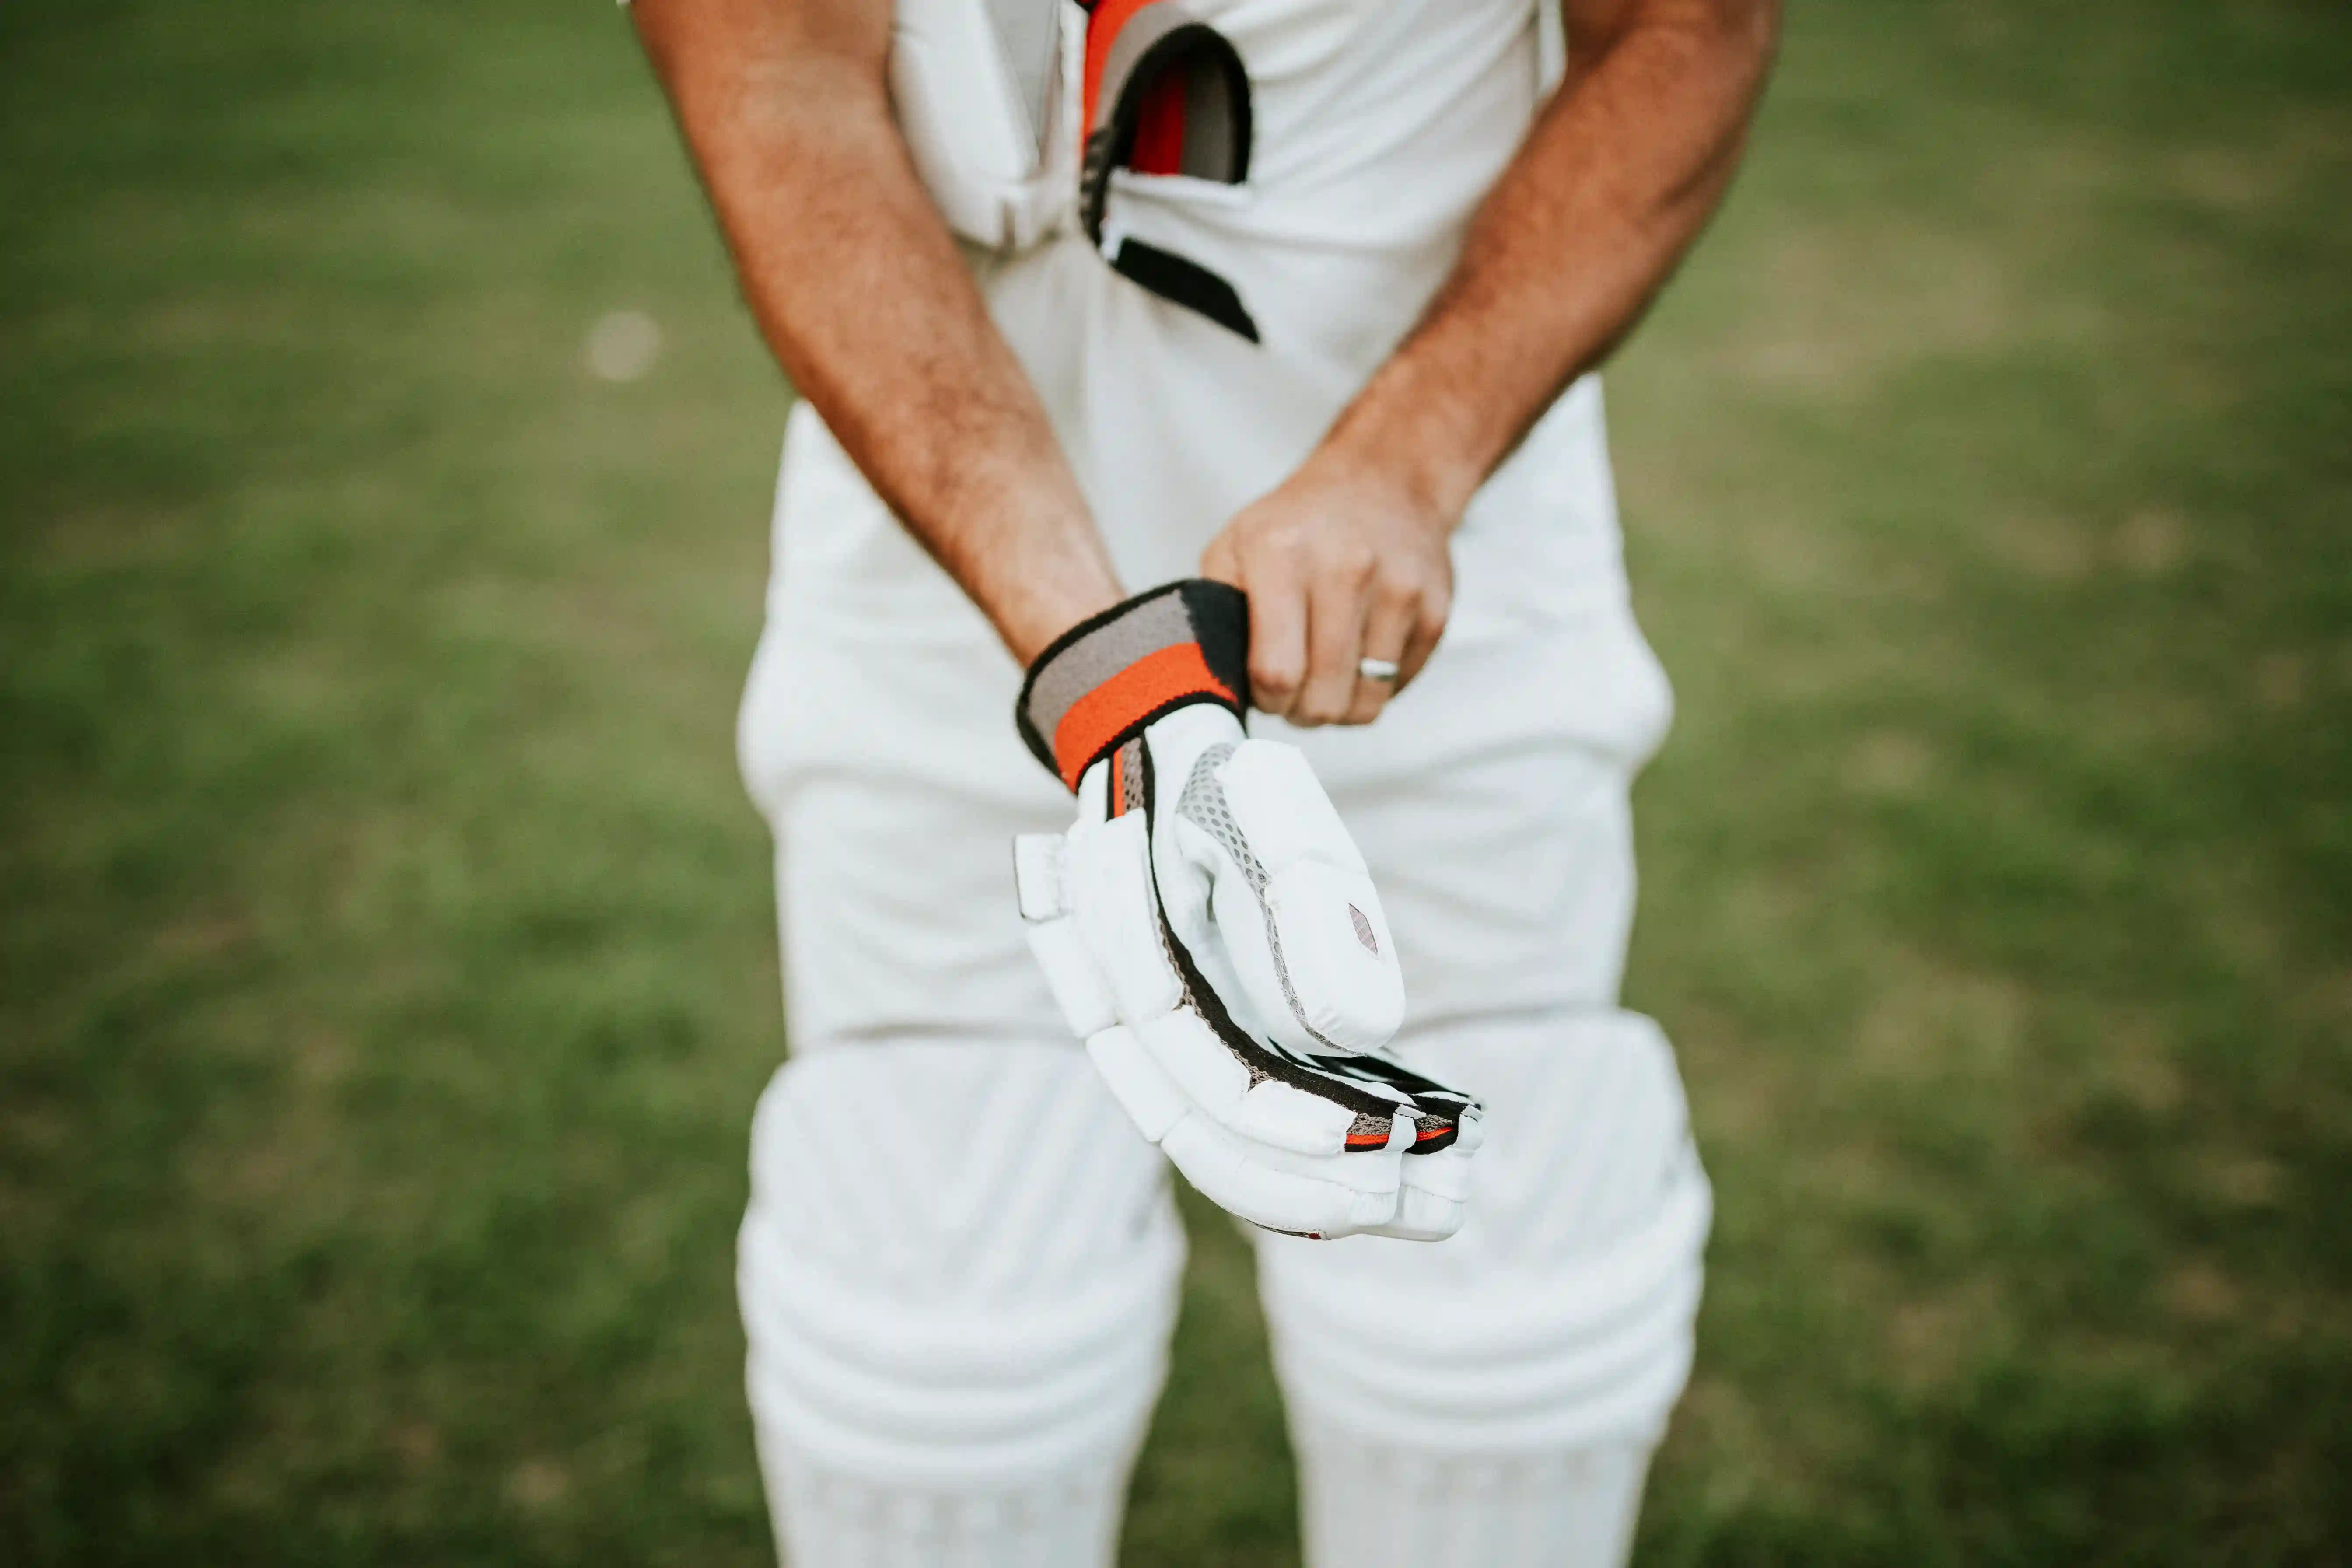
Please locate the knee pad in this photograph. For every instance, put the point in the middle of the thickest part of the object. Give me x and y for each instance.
(1371, 1504)
(1562, 1315)
(958, 1273)
(1491, 1401)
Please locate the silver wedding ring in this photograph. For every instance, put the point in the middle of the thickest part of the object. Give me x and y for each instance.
(1376, 668)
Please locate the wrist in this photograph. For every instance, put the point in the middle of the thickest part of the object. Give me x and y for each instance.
(1045, 611)
(1395, 437)
(1058, 575)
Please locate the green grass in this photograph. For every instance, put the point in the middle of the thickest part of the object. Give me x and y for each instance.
(385, 955)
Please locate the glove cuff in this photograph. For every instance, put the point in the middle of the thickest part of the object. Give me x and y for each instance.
(1102, 682)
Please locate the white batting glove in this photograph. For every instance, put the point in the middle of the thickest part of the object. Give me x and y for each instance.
(1210, 929)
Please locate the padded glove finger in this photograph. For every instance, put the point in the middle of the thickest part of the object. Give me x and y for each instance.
(1434, 1187)
(1292, 904)
(1079, 987)
(1330, 1195)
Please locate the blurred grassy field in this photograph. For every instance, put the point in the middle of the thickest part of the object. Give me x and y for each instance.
(385, 966)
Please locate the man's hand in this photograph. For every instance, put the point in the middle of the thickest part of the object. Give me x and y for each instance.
(1346, 561)
(1343, 563)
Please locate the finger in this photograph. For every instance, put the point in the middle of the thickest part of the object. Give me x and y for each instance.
(1335, 641)
(1429, 625)
(1386, 630)
(1219, 562)
(1278, 658)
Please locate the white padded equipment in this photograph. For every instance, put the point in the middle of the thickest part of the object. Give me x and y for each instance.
(1227, 961)
(958, 1274)
(1367, 1502)
(1554, 1329)
(981, 91)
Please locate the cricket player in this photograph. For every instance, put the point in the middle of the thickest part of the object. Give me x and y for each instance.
(1196, 714)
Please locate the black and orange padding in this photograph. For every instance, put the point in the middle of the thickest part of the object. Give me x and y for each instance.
(1104, 679)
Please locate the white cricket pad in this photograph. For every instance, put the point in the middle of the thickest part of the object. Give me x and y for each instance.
(1560, 1316)
(958, 1275)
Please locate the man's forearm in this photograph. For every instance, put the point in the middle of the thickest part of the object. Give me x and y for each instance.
(1346, 564)
(1611, 186)
(867, 304)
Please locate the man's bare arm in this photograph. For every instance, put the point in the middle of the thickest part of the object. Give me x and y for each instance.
(1348, 558)
(861, 294)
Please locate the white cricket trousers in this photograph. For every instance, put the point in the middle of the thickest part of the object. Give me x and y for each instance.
(960, 1264)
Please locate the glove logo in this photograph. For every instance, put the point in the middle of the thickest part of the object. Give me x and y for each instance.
(1364, 930)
